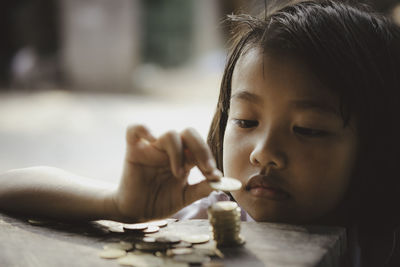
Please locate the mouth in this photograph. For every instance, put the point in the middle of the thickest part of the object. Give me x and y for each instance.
(265, 187)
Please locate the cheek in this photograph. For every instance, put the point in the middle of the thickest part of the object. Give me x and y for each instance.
(235, 154)
(228, 148)
(323, 175)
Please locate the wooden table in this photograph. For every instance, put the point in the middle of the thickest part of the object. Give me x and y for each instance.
(267, 244)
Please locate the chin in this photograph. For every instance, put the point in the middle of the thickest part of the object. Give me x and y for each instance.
(265, 211)
(270, 216)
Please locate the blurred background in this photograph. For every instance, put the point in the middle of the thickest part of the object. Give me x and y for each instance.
(75, 73)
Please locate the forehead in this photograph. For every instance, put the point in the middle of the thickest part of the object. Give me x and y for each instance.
(257, 72)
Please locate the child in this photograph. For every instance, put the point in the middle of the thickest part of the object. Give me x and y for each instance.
(306, 119)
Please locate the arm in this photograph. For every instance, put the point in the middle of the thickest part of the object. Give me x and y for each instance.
(153, 185)
(54, 193)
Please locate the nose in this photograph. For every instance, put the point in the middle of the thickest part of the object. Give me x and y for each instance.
(268, 151)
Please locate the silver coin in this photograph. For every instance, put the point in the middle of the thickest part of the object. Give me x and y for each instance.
(168, 239)
(120, 245)
(159, 223)
(196, 239)
(224, 218)
(224, 206)
(151, 229)
(112, 253)
(108, 223)
(149, 239)
(179, 251)
(226, 184)
(136, 226)
(116, 229)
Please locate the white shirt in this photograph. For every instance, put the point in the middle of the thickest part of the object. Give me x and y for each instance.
(198, 209)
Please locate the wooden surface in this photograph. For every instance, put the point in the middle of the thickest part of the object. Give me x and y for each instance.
(267, 244)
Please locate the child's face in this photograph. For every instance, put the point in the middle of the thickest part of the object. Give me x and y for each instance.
(285, 141)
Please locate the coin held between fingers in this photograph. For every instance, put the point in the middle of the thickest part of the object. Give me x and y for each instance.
(226, 184)
(215, 176)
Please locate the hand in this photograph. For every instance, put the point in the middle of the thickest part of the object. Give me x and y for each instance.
(154, 182)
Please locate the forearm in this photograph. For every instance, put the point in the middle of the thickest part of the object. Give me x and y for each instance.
(53, 193)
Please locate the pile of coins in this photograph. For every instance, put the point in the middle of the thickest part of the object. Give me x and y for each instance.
(144, 245)
(148, 247)
(224, 217)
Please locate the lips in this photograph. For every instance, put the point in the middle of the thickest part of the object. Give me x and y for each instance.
(266, 187)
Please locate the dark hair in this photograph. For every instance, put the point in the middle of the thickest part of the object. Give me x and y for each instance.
(356, 54)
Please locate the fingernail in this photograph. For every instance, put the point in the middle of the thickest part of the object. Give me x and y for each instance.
(211, 164)
(213, 179)
(218, 173)
(215, 176)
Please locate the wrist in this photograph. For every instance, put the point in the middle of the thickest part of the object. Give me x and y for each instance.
(110, 206)
(112, 210)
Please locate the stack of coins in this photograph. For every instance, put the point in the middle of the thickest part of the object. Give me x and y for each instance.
(224, 217)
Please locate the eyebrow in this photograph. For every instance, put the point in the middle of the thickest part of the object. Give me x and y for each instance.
(247, 96)
(315, 105)
(304, 104)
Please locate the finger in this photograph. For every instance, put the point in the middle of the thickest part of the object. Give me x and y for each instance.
(190, 163)
(137, 132)
(139, 140)
(196, 191)
(200, 153)
(171, 143)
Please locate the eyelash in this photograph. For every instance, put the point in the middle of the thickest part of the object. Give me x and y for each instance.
(245, 123)
(308, 132)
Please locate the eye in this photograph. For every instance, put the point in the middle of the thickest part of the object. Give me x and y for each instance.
(245, 123)
(308, 132)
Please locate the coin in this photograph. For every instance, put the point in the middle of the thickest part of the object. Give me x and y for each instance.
(149, 239)
(136, 226)
(224, 206)
(116, 229)
(179, 251)
(168, 239)
(151, 229)
(120, 245)
(224, 217)
(196, 239)
(226, 184)
(108, 223)
(112, 253)
(159, 223)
